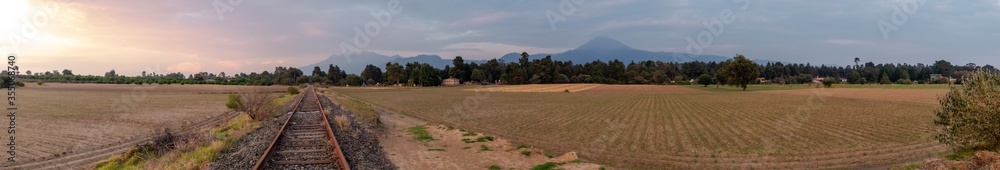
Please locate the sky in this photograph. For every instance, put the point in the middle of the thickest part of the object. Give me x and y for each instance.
(188, 36)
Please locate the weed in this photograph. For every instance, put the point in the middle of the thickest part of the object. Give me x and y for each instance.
(546, 166)
(421, 134)
(342, 122)
(469, 134)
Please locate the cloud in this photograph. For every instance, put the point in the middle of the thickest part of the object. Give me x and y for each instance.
(229, 65)
(186, 67)
(669, 21)
(438, 36)
(847, 42)
(489, 50)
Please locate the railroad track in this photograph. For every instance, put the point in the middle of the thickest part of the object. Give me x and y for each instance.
(305, 140)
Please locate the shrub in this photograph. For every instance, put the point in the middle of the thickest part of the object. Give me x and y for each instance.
(255, 103)
(904, 81)
(293, 90)
(829, 81)
(40, 83)
(968, 112)
(234, 101)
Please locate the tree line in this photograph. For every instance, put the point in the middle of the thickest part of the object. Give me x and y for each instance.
(544, 71)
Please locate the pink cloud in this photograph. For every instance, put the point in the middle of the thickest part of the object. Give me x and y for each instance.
(186, 67)
(484, 19)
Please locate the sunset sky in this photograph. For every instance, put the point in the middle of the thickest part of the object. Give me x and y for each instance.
(94, 36)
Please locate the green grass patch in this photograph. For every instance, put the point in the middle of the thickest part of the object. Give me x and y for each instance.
(546, 166)
(915, 166)
(484, 148)
(467, 147)
(480, 139)
(484, 139)
(135, 158)
(436, 149)
(470, 134)
(494, 167)
(226, 136)
(961, 154)
(526, 153)
(283, 99)
(420, 133)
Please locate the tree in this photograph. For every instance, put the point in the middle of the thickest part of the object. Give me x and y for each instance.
(335, 75)
(459, 69)
(394, 73)
(67, 72)
(857, 62)
(111, 74)
(479, 76)
(903, 75)
(829, 81)
(944, 68)
(885, 79)
(318, 76)
(740, 71)
(969, 112)
(855, 77)
(353, 80)
(704, 79)
(372, 72)
(720, 78)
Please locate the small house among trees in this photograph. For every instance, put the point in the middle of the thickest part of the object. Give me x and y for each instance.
(450, 82)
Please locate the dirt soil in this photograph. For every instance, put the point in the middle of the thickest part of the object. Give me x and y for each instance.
(448, 151)
(925, 96)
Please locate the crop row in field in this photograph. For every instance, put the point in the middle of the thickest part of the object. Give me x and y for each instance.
(685, 130)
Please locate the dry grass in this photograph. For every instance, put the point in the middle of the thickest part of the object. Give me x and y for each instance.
(342, 122)
(684, 130)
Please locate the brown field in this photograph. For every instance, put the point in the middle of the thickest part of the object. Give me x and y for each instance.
(57, 119)
(538, 88)
(680, 127)
(927, 96)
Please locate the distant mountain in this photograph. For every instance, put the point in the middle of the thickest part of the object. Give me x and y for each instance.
(600, 48)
